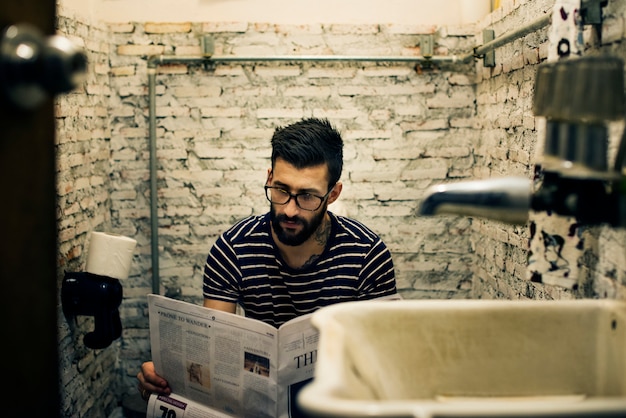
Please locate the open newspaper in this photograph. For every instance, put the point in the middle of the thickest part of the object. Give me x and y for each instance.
(220, 364)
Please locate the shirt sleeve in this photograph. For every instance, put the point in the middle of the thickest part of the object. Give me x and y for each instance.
(377, 276)
(222, 276)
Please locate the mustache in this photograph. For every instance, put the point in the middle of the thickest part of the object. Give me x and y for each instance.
(285, 218)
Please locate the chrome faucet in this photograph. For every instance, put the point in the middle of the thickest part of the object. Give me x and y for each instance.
(577, 97)
(505, 199)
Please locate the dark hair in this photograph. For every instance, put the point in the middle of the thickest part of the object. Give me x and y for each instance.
(308, 143)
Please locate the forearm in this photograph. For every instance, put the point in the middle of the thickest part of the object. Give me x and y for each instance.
(220, 305)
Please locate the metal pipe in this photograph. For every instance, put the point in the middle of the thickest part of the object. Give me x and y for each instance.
(169, 59)
(513, 35)
(478, 52)
(154, 220)
(155, 61)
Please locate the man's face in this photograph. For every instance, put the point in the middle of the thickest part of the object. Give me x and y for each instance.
(292, 225)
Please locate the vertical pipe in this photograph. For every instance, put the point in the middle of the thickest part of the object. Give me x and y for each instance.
(154, 220)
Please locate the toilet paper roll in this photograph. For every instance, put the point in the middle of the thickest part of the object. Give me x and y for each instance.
(110, 255)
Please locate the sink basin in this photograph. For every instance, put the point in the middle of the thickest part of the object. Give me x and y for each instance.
(469, 358)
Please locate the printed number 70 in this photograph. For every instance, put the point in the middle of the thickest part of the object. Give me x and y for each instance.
(167, 413)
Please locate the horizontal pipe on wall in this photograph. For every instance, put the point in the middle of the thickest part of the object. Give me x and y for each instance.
(513, 35)
(171, 59)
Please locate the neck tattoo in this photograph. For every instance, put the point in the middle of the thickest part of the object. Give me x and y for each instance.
(322, 233)
(310, 261)
(321, 238)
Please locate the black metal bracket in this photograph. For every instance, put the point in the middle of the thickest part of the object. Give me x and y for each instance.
(591, 14)
(87, 294)
(591, 11)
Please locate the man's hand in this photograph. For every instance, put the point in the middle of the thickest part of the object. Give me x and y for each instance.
(150, 382)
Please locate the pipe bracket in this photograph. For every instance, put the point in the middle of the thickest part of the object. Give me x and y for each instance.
(489, 59)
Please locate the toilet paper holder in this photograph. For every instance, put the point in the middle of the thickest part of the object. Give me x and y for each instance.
(89, 294)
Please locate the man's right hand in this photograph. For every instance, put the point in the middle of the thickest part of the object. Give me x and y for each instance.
(150, 382)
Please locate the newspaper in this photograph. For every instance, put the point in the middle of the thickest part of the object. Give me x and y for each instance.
(220, 364)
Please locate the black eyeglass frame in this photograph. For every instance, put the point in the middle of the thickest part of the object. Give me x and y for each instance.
(295, 196)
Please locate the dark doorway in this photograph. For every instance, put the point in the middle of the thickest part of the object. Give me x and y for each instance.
(28, 250)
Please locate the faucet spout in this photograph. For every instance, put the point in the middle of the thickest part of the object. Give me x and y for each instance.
(504, 199)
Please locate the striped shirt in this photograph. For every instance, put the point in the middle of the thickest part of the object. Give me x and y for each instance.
(244, 266)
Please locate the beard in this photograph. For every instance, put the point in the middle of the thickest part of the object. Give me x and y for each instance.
(289, 237)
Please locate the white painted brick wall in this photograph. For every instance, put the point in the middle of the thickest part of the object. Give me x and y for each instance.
(406, 127)
(213, 173)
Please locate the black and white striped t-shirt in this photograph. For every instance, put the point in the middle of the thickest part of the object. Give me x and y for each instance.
(244, 266)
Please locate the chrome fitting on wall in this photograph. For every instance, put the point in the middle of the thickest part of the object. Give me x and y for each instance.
(578, 97)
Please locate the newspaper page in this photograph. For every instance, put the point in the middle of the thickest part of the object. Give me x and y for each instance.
(215, 358)
(296, 364)
(174, 406)
(297, 354)
(220, 364)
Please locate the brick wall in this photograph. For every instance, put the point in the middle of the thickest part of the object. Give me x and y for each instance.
(90, 386)
(406, 128)
(510, 144)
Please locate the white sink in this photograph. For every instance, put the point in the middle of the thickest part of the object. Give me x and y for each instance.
(469, 358)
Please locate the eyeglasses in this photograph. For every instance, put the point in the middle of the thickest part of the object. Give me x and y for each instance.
(305, 201)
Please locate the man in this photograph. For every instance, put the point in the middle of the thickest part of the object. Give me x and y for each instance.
(298, 257)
